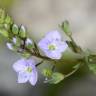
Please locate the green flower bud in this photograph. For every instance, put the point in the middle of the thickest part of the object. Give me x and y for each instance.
(55, 78)
(47, 72)
(6, 26)
(66, 28)
(2, 16)
(29, 43)
(22, 32)
(15, 29)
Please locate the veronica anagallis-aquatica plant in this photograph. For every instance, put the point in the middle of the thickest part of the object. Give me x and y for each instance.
(50, 48)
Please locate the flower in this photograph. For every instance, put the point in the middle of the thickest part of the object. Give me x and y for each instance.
(26, 71)
(9, 45)
(52, 45)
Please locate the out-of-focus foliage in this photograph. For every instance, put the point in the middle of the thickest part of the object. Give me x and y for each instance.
(92, 67)
(6, 3)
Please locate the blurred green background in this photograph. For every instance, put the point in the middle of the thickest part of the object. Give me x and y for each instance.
(41, 16)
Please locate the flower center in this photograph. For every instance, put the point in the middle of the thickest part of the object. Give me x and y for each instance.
(29, 69)
(52, 47)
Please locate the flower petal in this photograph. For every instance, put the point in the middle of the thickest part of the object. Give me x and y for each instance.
(62, 46)
(31, 62)
(53, 54)
(33, 77)
(20, 65)
(53, 35)
(22, 77)
(43, 44)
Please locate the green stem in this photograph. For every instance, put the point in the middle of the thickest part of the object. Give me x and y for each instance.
(75, 46)
(72, 72)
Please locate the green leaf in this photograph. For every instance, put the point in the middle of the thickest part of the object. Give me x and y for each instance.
(6, 26)
(22, 32)
(77, 66)
(55, 78)
(4, 32)
(15, 29)
(66, 28)
(92, 67)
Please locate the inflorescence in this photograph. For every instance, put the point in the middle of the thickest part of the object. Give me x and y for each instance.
(50, 48)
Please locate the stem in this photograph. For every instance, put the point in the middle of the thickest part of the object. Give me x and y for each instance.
(39, 63)
(76, 47)
(38, 55)
(72, 72)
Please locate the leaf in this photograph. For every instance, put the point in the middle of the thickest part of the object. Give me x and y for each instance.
(77, 66)
(55, 78)
(4, 32)
(92, 67)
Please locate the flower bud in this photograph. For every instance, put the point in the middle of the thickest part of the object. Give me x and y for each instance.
(29, 43)
(8, 20)
(15, 29)
(66, 28)
(47, 72)
(2, 16)
(22, 32)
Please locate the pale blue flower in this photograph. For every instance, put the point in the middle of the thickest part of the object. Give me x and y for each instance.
(26, 71)
(52, 45)
(9, 45)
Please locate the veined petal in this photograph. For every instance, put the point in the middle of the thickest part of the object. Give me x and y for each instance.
(62, 46)
(53, 54)
(20, 65)
(31, 62)
(43, 44)
(33, 77)
(22, 77)
(53, 35)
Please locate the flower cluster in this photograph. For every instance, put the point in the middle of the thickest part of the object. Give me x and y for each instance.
(52, 46)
